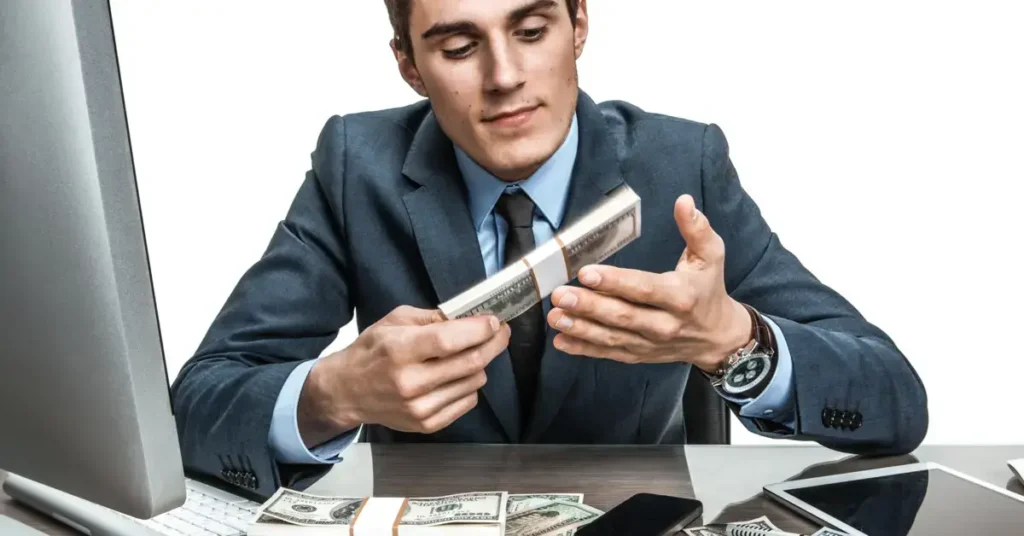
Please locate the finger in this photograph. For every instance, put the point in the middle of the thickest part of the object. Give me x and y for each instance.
(444, 418)
(440, 371)
(407, 315)
(587, 330)
(609, 310)
(574, 346)
(424, 407)
(447, 338)
(701, 240)
(637, 286)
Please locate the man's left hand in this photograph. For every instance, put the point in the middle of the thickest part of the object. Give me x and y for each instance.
(642, 317)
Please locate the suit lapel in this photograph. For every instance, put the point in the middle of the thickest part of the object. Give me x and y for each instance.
(596, 173)
(448, 245)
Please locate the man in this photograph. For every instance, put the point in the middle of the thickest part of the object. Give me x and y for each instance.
(405, 208)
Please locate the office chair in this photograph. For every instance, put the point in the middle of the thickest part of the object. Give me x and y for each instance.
(705, 413)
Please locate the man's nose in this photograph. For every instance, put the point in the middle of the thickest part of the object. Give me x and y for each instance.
(505, 69)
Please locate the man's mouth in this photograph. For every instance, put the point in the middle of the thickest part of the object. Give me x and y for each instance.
(513, 117)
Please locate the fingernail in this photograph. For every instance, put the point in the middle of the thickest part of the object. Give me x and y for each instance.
(696, 214)
(495, 324)
(568, 301)
(564, 323)
(590, 277)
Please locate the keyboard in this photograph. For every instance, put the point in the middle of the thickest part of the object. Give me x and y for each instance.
(207, 511)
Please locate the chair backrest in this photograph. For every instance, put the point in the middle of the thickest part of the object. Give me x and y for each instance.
(705, 412)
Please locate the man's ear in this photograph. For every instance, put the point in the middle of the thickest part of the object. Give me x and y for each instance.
(582, 27)
(407, 68)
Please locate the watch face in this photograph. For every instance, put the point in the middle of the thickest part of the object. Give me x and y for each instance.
(746, 374)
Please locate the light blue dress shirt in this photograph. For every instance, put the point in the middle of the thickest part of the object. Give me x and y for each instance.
(548, 187)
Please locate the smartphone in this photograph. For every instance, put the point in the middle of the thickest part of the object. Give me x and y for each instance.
(645, 514)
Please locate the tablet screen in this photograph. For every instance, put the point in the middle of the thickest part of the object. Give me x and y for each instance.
(922, 502)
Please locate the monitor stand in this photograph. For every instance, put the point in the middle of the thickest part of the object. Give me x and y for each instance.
(10, 527)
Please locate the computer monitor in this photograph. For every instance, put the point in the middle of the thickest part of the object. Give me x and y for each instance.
(84, 392)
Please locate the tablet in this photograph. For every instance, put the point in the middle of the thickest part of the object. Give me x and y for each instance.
(915, 499)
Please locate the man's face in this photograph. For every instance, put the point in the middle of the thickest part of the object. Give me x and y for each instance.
(500, 76)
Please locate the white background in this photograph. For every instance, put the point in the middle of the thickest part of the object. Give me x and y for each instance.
(882, 141)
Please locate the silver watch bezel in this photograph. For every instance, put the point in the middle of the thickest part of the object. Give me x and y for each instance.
(719, 376)
(765, 371)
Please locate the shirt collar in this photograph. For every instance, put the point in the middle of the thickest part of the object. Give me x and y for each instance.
(547, 187)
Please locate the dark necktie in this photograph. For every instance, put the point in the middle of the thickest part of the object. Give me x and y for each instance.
(527, 339)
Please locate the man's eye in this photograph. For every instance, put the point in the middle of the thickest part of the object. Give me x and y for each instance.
(533, 34)
(460, 52)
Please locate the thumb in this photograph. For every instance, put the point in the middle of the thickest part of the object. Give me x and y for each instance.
(696, 230)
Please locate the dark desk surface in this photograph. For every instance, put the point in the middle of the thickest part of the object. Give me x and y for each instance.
(727, 480)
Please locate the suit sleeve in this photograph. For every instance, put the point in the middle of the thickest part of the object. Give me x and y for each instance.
(284, 311)
(853, 389)
(285, 439)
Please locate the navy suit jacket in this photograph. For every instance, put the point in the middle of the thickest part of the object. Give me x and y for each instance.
(381, 220)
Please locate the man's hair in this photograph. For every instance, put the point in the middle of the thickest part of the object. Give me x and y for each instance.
(399, 10)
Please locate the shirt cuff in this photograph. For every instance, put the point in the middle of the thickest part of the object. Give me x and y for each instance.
(286, 441)
(775, 403)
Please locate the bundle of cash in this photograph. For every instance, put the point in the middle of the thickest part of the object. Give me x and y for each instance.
(464, 514)
(607, 228)
(293, 513)
(761, 526)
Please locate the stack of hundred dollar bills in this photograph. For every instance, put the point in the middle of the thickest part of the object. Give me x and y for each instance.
(605, 229)
(494, 513)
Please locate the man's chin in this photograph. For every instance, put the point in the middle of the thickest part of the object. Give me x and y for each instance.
(517, 165)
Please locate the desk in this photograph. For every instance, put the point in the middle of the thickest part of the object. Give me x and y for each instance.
(727, 479)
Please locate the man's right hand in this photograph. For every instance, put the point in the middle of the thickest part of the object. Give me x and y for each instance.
(412, 371)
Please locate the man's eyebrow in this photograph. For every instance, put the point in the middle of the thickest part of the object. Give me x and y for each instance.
(447, 28)
(467, 27)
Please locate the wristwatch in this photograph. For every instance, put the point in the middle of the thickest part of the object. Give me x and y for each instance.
(747, 371)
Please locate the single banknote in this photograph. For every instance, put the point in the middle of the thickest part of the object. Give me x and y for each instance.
(305, 509)
(551, 519)
(528, 501)
(738, 528)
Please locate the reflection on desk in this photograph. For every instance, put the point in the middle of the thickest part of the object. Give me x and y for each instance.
(726, 479)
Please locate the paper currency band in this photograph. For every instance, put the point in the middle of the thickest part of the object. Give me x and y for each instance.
(398, 517)
(533, 277)
(352, 527)
(378, 515)
(547, 267)
(565, 256)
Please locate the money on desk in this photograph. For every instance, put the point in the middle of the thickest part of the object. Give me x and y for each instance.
(607, 228)
(496, 513)
(761, 526)
(751, 527)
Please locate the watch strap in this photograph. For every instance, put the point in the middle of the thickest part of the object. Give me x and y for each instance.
(761, 332)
